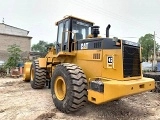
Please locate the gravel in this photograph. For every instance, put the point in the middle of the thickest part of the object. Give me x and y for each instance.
(18, 101)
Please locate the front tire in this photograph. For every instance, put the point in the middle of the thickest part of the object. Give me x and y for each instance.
(69, 87)
(38, 76)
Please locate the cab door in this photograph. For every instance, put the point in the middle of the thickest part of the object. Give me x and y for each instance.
(63, 36)
(66, 35)
(59, 37)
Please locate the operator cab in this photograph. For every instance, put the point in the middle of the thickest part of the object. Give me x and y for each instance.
(71, 29)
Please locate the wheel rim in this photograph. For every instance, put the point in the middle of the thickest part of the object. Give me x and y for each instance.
(60, 88)
(24, 76)
(32, 74)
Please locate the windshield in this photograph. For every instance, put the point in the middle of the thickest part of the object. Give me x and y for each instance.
(81, 29)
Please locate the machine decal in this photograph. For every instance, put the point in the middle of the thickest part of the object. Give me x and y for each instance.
(109, 61)
(84, 46)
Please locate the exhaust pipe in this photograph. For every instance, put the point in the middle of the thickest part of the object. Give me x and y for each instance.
(107, 30)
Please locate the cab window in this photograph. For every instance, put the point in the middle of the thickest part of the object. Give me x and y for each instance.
(66, 29)
(81, 29)
(60, 32)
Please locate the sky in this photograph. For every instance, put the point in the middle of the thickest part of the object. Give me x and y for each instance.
(129, 19)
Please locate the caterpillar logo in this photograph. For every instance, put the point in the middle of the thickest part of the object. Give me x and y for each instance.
(84, 46)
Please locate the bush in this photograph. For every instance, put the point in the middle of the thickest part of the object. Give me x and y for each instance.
(14, 56)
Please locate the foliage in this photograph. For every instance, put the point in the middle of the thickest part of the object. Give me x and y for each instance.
(41, 46)
(147, 43)
(3, 71)
(14, 56)
(2, 68)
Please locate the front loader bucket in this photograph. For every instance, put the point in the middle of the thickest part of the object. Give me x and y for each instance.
(26, 71)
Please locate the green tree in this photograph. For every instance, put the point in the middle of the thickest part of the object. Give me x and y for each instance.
(147, 43)
(41, 46)
(14, 52)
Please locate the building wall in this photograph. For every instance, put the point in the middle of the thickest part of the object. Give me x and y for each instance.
(23, 42)
(7, 40)
(6, 29)
(3, 55)
(10, 35)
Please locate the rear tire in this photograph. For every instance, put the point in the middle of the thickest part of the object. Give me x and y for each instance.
(74, 87)
(38, 76)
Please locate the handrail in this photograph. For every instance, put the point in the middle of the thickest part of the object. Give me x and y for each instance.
(63, 40)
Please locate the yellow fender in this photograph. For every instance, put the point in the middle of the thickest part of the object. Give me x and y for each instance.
(26, 71)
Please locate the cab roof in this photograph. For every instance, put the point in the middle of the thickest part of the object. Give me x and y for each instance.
(70, 16)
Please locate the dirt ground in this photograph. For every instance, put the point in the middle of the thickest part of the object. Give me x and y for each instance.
(18, 101)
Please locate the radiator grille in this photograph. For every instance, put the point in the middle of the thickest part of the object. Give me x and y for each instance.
(131, 61)
(96, 56)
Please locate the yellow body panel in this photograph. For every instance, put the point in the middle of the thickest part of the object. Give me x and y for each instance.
(42, 62)
(114, 70)
(114, 89)
(91, 67)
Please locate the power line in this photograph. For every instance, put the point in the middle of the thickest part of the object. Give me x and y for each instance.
(157, 37)
(100, 10)
(109, 13)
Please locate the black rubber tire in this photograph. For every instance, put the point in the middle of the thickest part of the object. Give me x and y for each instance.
(157, 87)
(157, 81)
(39, 79)
(76, 85)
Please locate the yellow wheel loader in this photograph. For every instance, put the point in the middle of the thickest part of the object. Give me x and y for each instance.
(86, 67)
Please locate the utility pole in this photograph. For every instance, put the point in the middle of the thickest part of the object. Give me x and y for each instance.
(154, 55)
